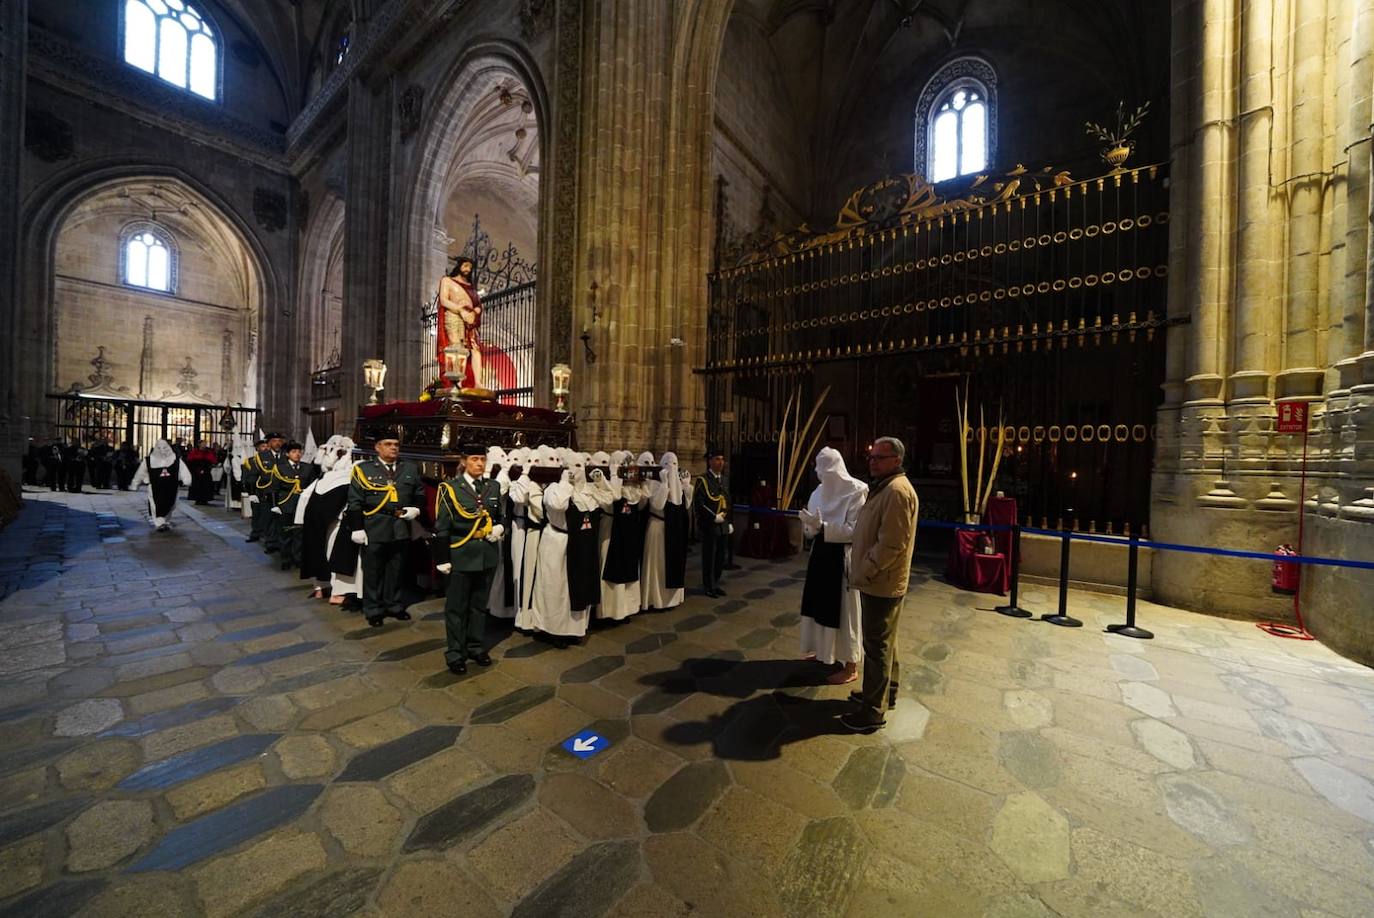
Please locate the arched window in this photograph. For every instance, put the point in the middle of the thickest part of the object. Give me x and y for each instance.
(147, 258)
(174, 40)
(956, 121)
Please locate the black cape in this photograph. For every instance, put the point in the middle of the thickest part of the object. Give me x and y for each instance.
(322, 511)
(163, 484)
(824, 590)
(202, 484)
(584, 587)
(674, 546)
(626, 548)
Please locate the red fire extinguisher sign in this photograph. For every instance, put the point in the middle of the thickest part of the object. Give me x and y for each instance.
(1292, 417)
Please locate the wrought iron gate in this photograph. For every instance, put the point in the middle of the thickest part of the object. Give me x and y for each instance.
(143, 423)
(1043, 295)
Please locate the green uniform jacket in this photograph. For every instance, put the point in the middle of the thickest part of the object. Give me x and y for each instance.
(257, 477)
(374, 499)
(288, 480)
(462, 522)
(711, 495)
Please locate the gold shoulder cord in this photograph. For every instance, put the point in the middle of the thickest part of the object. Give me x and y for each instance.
(260, 484)
(717, 499)
(388, 491)
(481, 525)
(294, 482)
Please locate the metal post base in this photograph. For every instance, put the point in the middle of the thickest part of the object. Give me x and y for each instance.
(1013, 611)
(1063, 621)
(1131, 631)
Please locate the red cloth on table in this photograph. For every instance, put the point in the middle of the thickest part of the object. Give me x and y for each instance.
(766, 534)
(972, 570)
(1001, 512)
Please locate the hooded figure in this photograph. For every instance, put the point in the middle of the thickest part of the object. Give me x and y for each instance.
(519, 462)
(831, 628)
(663, 572)
(528, 495)
(164, 473)
(553, 609)
(622, 540)
(333, 563)
(584, 534)
(501, 602)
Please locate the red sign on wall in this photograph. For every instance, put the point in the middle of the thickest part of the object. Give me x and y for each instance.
(1292, 417)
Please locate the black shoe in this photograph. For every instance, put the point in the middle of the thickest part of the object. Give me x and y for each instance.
(286, 565)
(402, 616)
(459, 669)
(482, 659)
(252, 538)
(375, 620)
(861, 722)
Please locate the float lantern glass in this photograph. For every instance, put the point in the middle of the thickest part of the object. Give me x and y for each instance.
(455, 364)
(562, 375)
(374, 375)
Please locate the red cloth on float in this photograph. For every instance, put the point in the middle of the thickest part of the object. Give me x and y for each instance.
(479, 408)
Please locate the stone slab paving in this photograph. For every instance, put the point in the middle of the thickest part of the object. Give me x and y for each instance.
(184, 732)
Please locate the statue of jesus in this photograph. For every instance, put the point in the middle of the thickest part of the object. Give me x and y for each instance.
(460, 317)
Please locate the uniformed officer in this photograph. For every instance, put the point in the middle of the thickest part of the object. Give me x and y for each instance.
(468, 528)
(711, 503)
(384, 495)
(289, 476)
(257, 484)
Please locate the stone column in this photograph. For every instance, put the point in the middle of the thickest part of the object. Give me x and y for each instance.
(1354, 293)
(366, 208)
(1302, 374)
(14, 18)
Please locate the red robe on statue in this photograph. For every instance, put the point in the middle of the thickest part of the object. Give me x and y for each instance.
(471, 322)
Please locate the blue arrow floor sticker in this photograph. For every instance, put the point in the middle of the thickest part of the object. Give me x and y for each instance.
(586, 744)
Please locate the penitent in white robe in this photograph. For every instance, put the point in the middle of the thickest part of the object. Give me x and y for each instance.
(653, 590)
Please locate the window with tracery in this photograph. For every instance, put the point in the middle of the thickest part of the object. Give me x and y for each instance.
(956, 126)
(147, 259)
(173, 40)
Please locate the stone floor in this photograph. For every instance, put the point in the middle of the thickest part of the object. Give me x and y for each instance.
(182, 732)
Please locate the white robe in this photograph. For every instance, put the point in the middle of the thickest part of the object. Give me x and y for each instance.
(553, 612)
(844, 644)
(653, 591)
(531, 498)
(618, 600)
(141, 478)
(339, 584)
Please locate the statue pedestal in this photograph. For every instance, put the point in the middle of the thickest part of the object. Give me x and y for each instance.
(432, 432)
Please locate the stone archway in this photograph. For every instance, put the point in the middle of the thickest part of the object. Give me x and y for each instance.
(320, 294)
(479, 154)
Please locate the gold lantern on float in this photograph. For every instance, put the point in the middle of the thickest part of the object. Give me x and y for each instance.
(455, 367)
(562, 376)
(374, 376)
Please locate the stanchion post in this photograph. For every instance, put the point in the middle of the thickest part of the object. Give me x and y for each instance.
(1132, 568)
(1062, 618)
(1011, 609)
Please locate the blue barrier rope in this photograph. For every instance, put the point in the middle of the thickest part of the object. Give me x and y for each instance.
(1112, 540)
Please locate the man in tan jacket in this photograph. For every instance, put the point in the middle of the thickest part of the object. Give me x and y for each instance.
(880, 568)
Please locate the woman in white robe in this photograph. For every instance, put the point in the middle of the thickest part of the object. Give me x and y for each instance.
(831, 627)
(529, 494)
(553, 609)
(624, 503)
(497, 606)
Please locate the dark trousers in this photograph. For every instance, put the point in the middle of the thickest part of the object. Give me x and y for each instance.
(465, 612)
(271, 527)
(383, 563)
(714, 541)
(290, 546)
(881, 674)
(52, 475)
(261, 511)
(76, 476)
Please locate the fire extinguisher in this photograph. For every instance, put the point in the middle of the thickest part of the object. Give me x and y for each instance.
(1286, 573)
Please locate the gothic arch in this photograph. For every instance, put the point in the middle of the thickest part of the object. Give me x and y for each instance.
(459, 97)
(47, 210)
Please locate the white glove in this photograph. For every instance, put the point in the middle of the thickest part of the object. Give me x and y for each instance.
(596, 476)
(443, 568)
(808, 518)
(497, 533)
(720, 517)
(359, 537)
(410, 513)
(252, 498)
(731, 530)
(277, 510)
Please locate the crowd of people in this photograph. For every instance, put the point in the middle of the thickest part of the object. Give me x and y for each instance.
(548, 538)
(67, 464)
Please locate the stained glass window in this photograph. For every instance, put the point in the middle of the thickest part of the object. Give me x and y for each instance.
(958, 133)
(172, 39)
